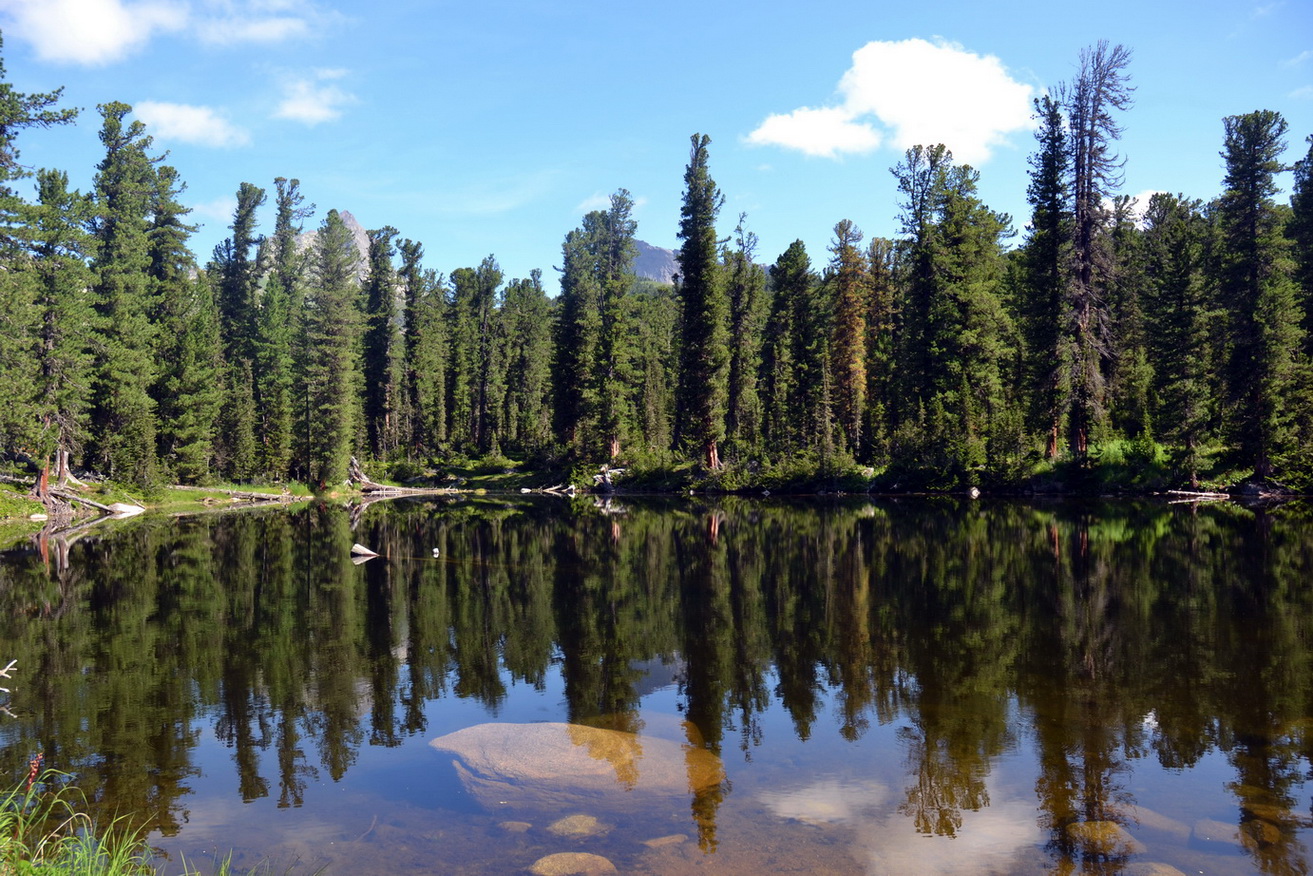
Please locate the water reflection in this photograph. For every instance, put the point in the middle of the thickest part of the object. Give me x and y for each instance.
(1091, 640)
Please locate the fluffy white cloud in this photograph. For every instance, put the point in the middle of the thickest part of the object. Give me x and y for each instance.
(90, 31)
(909, 92)
(200, 125)
(314, 99)
(825, 132)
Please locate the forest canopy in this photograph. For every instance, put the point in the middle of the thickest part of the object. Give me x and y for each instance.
(1175, 336)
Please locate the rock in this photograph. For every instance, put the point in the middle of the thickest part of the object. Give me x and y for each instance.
(1103, 839)
(360, 550)
(1148, 818)
(578, 826)
(660, 842)
(122, 509)
(1215, 835)
(38, 517)
(1257, 833)
(1150, 868)
(569, 766)
(515, 826)
(570, 863)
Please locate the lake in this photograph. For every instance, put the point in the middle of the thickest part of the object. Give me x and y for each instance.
(702, 685)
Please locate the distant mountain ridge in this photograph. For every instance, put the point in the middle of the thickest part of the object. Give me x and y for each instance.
(652, 262)
(655, 263)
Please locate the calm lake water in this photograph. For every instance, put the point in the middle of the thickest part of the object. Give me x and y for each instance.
(756, 687)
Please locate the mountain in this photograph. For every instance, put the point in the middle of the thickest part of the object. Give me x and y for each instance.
(655, 263)
(306, 239)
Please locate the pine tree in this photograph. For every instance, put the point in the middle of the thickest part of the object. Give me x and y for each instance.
(1046, 264)
(1257, 287)
(383, 346)
(20, 421)
(526, 316)
(881, 293)
(63, 336)
(593, 405)
(279, 309)
(848, 279)
(333, 325)
(794, 354)
(123, 418)
(236, 270)
(1301, 235)
(426, 351)
(1100, 90)
(187, 390)
(704, 364)
(1180, 325)
(745, 283)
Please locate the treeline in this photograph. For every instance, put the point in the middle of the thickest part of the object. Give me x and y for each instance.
(946, 356)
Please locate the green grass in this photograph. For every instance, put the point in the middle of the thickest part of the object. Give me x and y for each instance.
(44, 831)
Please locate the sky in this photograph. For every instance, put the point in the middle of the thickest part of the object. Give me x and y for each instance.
(491, 127)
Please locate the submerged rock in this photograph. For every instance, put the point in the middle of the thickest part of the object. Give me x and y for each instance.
(570, 864)
(1103, 839)
(578, 826)
(563, 765)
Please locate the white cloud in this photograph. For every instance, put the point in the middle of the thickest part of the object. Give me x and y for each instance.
(90, 31)
(907, 93)
(602, 201)
(219, 210)
(1305, 93)
(1298, 59)
(226, 22)
(200, 125)
(314, 99)
(825, 132)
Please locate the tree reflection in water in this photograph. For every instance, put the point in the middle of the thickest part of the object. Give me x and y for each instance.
(1093, 635)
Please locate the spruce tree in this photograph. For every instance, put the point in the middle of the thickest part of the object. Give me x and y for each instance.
(280, 307)
(745, 283)
(331, 338)
(848, 281)
(1100, 90)
(704, 363)
(1046, 261)
(236, 270)
(1301, 235)
(526, 316)
(1256, 285)
(64, 334)
(426, 351)
(123, 417)
(880, 366)
(383, 346)
(1181, 323)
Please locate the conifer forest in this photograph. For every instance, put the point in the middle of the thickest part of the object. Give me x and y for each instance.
(974, 348)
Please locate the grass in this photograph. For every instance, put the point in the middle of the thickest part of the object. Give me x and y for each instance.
(44, 832)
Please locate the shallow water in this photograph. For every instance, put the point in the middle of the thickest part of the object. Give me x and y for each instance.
(910, 686)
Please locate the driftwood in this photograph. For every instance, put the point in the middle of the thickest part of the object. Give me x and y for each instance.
(241, 495)
(74, 497)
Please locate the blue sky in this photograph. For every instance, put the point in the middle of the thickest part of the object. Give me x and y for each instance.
(491, 127)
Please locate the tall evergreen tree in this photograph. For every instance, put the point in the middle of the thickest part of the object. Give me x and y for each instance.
(526, 316)
(1101, 90)
(704, 363)
(19, 421)
(236, 270)
(848, 279)
(477, 375)
(1301, 233)
(1180, 320)
(426, 351)
(1256, 285)
(280, 307)
(954, 308)
(880, 312)
(1051, 363)
(124, 418)
(383, 346)
(745, 284)
(331, 343)
(795, 357)
(64, 331)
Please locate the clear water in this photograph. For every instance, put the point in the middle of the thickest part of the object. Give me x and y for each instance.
(910, 686)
